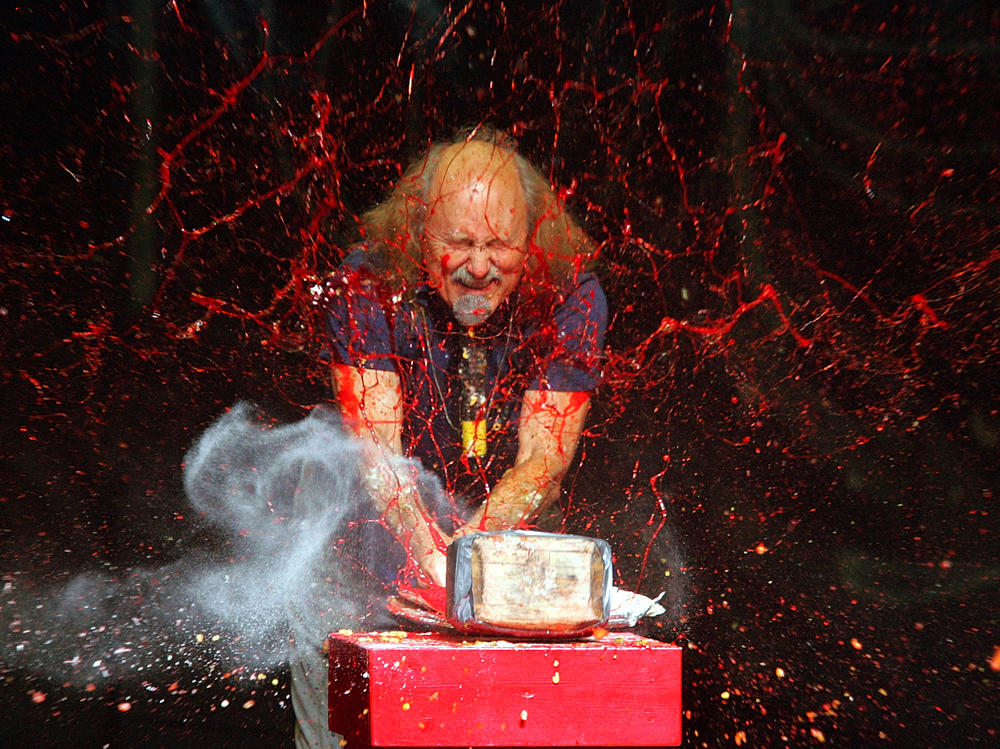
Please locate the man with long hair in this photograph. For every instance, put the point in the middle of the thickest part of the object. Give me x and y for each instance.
(466, 334)
(471, 261)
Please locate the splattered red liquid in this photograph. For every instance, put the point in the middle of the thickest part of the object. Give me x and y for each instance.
(796, 436)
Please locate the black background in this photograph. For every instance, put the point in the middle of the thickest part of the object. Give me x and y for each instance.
(797, 433)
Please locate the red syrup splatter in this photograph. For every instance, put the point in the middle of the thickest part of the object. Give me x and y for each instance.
(795, 213)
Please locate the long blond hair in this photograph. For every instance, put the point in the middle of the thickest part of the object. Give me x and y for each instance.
(557, 247)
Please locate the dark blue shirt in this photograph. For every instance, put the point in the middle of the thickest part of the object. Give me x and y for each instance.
(550, 342)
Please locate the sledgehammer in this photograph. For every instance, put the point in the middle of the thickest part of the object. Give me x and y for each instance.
(528, 584)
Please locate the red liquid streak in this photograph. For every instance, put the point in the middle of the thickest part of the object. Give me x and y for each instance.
(348, 401)
(180, 18)
(664, 139)
(722, 327)
(438, 50)
(663, 521)
(228, 99)
(929, 318)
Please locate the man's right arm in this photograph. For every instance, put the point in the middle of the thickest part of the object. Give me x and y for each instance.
(371, 403)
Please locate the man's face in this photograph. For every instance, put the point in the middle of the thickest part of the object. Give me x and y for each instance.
(476, 229)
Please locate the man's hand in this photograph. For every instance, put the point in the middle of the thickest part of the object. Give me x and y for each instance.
(435, 565)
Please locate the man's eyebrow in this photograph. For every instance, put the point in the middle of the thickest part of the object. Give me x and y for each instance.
(460, 237)
(446, 236)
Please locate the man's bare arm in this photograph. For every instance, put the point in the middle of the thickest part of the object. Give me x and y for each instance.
(371, 403)
(549, 430)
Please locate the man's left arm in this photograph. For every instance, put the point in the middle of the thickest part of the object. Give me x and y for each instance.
(552, 415)
(549, 430)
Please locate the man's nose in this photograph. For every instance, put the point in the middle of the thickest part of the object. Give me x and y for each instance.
(479, 262)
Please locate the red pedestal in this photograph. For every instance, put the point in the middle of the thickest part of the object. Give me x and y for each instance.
(423, 689)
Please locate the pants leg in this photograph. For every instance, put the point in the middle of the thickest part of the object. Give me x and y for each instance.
(309, 674)
(312, 615)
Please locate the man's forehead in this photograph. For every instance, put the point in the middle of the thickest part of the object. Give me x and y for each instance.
(476, 193)
(473, 169)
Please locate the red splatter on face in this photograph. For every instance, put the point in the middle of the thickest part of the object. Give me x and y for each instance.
(476, 227)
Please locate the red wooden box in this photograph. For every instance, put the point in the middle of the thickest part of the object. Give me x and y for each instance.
(425, 689)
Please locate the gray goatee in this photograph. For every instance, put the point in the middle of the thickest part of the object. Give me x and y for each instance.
(471, 309)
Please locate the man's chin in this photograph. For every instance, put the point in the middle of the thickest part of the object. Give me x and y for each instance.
(472, 308)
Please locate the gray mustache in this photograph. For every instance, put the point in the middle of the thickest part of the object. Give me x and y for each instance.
(462, 276)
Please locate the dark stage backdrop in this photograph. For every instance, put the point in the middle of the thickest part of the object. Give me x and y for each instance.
(797, 433)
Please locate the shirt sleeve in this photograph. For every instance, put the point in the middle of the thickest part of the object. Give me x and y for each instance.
(358, 332)
(580, 324)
